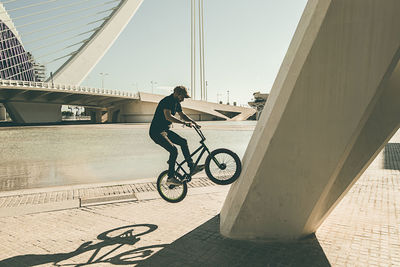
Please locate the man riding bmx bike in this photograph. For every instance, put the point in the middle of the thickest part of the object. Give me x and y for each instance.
(161, 134)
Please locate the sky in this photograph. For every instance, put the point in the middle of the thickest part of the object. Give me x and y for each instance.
(245, 43)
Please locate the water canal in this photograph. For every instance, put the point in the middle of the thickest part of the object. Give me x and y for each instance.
(46, 156)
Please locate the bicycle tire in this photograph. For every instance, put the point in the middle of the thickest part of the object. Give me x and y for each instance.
(162, 188)
(224, 156)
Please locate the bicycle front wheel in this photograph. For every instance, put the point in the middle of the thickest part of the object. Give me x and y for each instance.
(171, 193)
(223, 166)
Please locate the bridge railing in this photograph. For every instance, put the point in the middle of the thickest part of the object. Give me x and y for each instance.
(67, 87)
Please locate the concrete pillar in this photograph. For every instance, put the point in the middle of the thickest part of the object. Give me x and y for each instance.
(95, 115)
(113, 115)
(334, 105)
(3, 113)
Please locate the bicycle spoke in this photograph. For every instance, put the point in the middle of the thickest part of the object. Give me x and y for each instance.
(171, 193)
(230, 166)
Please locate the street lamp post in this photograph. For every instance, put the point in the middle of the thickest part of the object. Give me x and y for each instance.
(135, 87)
(102, 79)
(206, 91)
(51, 77)
(152, 86)
(218, 95)
(228, 97)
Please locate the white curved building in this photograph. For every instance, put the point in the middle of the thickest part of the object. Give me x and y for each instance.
(15, 63)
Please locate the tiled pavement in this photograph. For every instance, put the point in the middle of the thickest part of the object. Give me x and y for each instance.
(363, 230)
(39, 200)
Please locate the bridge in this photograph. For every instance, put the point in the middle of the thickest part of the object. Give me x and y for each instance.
(29, 101)
(40, 102)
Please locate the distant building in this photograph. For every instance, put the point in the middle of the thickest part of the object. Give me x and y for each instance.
(258, 103)
(15, 62)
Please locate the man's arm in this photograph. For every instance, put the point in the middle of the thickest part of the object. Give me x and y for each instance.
(169, 117)
(187, 118)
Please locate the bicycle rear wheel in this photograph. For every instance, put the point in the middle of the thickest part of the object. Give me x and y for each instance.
(223, 166)
(171, 193)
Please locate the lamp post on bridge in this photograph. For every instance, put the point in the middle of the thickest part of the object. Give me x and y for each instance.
(102, 74)
(152, 86)
(218, 99)
(51, 77)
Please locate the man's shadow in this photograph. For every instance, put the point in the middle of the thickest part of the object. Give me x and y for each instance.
(118, 237)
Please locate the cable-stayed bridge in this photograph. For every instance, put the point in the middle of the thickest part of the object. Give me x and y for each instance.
(28, 101)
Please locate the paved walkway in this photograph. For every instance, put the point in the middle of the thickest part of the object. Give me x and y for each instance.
(29, 201)
(363, 230)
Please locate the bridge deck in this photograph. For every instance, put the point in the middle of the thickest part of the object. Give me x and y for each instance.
(44, 92)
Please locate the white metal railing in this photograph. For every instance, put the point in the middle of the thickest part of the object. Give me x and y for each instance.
(67, 87)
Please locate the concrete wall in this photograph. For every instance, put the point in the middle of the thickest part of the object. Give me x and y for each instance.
(333, 106)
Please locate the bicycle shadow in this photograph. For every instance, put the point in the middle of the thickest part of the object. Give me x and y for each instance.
(205, 246)
(125, 235)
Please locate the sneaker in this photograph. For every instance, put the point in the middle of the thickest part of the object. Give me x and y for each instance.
(173, 181)
(197, 169)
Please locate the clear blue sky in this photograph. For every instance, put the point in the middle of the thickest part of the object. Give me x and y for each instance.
(245, 42)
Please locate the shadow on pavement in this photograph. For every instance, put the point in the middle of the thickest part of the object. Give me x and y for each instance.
(392, 156)
(111, 241)
(204, 246)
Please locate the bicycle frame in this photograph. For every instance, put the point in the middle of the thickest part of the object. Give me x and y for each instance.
(202, 149)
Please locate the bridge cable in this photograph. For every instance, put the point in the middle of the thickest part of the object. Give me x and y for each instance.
(32, 60)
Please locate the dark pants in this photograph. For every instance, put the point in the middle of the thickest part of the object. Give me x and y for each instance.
(167, 139)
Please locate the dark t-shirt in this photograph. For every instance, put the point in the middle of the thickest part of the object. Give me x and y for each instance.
(159, 122)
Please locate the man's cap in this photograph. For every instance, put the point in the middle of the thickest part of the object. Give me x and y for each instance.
(182, 90)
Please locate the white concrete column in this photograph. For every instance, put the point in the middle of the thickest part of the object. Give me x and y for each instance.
(2, 113)
(333, 106)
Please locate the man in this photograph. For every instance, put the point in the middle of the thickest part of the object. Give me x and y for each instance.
(163, 136)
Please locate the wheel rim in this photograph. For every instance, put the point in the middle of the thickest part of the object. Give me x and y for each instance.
(170, 192)
(227, 169)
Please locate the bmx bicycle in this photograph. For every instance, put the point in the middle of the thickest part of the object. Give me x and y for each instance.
(222, 166)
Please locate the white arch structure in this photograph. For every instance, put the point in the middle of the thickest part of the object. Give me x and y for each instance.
(76, 68)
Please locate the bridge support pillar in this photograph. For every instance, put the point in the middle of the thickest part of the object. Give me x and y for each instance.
(97, 115)
(23, 112)
(3, 113)
(334, 105)
(113, 115)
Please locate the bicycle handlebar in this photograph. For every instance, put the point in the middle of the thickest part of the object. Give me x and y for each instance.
(199, 132)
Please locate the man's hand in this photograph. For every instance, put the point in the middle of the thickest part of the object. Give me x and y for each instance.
(188, 124)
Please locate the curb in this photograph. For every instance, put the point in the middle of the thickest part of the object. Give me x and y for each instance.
(32, 201)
